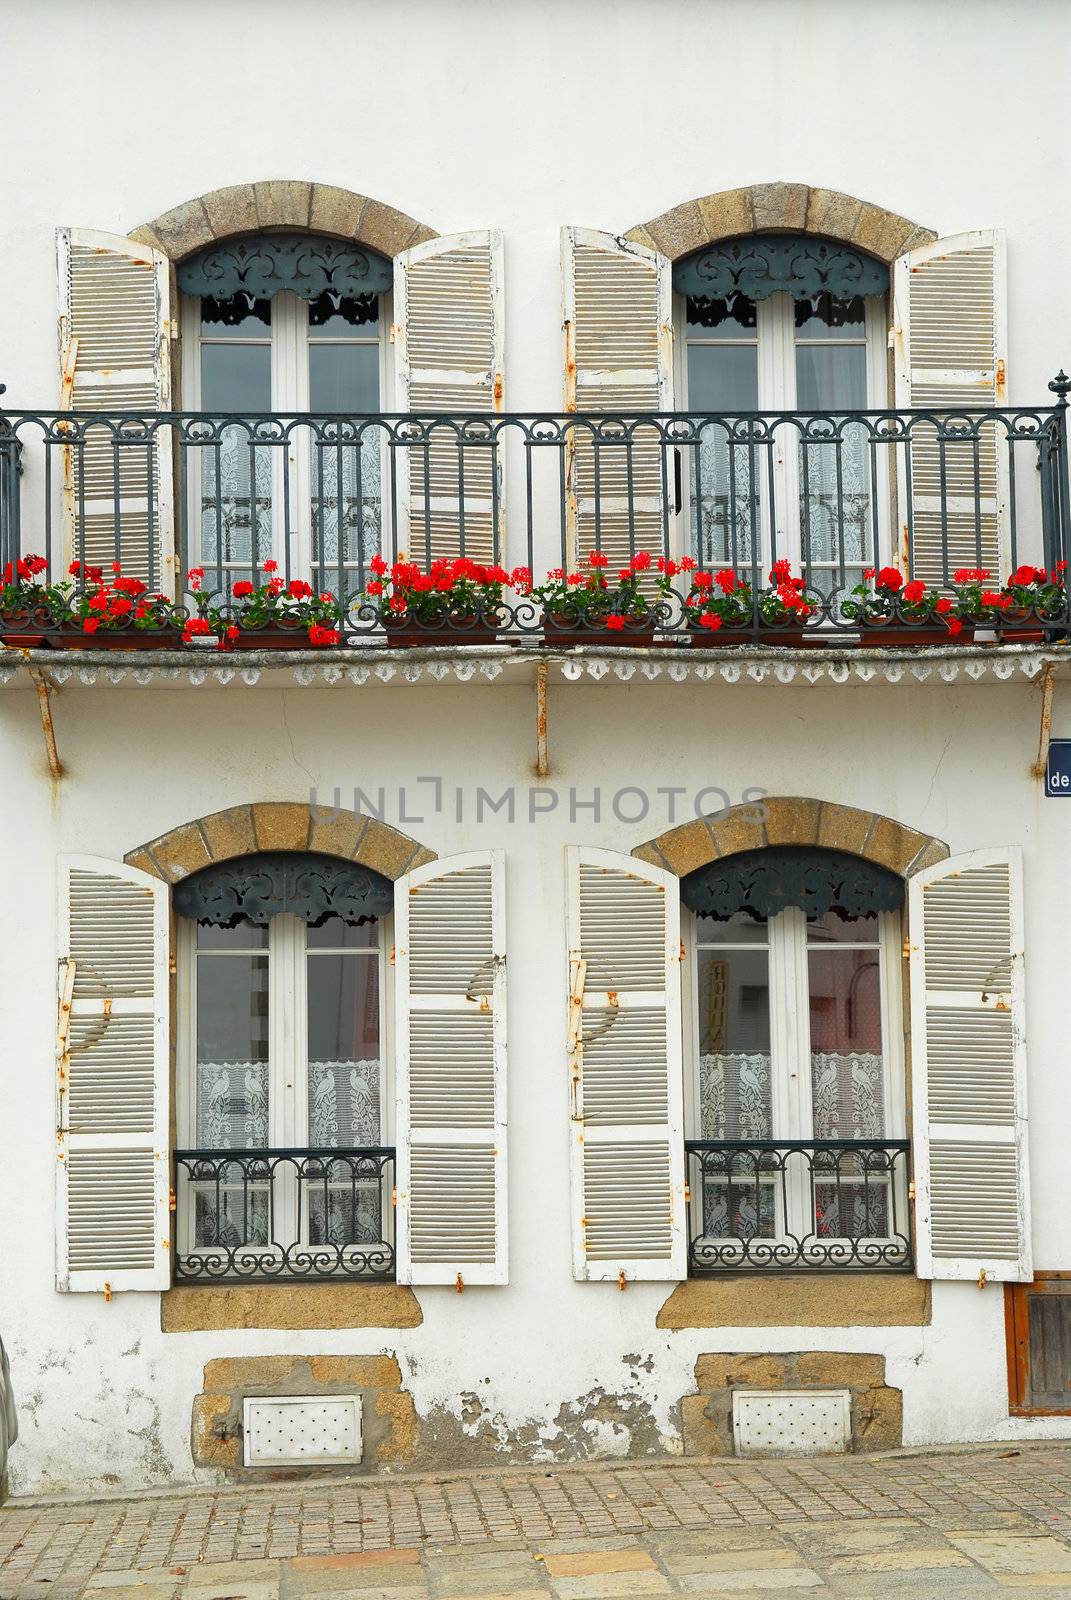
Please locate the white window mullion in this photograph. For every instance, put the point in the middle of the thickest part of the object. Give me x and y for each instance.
(790, 1066)
(286, 994)
(290, 394)
(777, 392)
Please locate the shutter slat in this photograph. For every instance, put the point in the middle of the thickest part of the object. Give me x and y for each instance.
(112, 1213)
(115, 302)
(627, 1116)
(449, 358)
(968, 1056)
(451, 1050)
(618, 330)
(951, 325)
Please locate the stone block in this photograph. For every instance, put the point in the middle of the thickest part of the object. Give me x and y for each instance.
(685, 848)
(183, 230)
(894, 846)
(641, 236)
(832, 213)
(227, 1374)
(878, 1419)
(799, 1300)
(181, 852)
(336, 211)
(356, 1372)
(779, 206)
(581, 1563)
(358, 1560)
(843, 828)
(929, 856)
(229, 833)
(145, 861)
(420, 858)
(731, 1371)
(384, 849)
(386, 230)
(231, 210)
(835, 1369)
(726, 214)
(399, 1442)
(701, 1432)
(881, 232)
(283, 203)
(680, 231)
(739, 829)
(336, 833)
(792, 821)
(208, 1449)
(281, 825)
(651, 854)
(289, 1306)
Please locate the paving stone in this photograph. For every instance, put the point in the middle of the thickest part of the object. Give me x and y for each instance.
(898, 1561)
(752, 1579)
(608, 1584)
(1017, 1553)
(583, 1562)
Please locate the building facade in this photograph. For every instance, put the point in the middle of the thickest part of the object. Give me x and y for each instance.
(496, 1044)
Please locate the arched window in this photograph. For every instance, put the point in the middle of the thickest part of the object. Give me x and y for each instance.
(283, 1094)
(780, 322)
(285, 323)
(794, 1079)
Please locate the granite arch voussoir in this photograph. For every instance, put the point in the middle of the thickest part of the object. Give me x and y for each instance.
(279, 825)
(243, 208)
(781, 208)
(793, 820)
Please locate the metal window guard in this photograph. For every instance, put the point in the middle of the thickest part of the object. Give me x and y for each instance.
(284, 1214)
(828, 1205)
(88, 484)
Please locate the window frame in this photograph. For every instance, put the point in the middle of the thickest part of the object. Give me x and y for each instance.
(774, 338)
(289, 344)
(791, 1105)
(288, 1088)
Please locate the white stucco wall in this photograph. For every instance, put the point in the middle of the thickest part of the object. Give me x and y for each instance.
(522, 115)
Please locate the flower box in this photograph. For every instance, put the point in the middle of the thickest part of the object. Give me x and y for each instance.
(406, 634)
(21, 630)
(72, 636)
(563, 633)
(893, 635)
(272, 636)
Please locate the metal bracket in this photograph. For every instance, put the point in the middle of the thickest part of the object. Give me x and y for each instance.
(1048, 685)
(44, 686)
(542, 762)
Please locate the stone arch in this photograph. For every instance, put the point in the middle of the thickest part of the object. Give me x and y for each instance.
(279, 825)
(281, 203)
(781, 208)
(794, 820)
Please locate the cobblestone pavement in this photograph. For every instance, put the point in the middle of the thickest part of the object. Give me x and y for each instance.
(957, 1524)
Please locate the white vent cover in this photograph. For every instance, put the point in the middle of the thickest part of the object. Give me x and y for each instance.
(292, 1430)
(773, 1422)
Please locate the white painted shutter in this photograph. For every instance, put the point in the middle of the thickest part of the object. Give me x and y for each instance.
(115, 355)
(450, 1042)
(626, 1070)
(950, 337)
(113, 1223)
(448, 337)
(968, 1067)
(618, 358)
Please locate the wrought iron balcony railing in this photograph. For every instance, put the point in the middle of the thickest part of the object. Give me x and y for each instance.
(834, 492)
(284, 1214)
(830, 1205)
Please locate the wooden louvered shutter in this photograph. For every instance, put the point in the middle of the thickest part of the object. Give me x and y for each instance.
(450, 1042)
(618, 359)
(115, 356)
(626, 1071)
(448, 337)
(968, 1066)
(113, 1179)
(950, 335)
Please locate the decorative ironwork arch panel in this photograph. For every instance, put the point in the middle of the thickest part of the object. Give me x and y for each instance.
(759, 265)
(256, 888)
(263, 264)
(764, 882)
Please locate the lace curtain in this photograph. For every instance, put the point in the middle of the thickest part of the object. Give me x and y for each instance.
(344, 1112)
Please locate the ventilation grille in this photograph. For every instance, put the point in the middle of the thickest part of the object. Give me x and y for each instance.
(772, 1422)
(622, 930)
(111, 937)
(627, 1201)
(297, 1429)
(452, 1204)
(111, 1210)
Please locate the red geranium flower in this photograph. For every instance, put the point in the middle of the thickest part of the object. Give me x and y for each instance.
(598, 558)
(615, 623)
(240, 589)
(914, 591)
(889, 578)
(710, 619)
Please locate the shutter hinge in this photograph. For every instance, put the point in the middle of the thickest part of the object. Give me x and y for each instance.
(687, 1194)
(393, 954)
(911, 1192)
(107, 1292)
(905, 948)
(459, 1284)
(172, 1200)
(622, 1281)
(681, 957)
(172, 964)
(394, 1195)
(982, 1278)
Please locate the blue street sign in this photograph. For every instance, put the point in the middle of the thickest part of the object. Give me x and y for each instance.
(1058, 768)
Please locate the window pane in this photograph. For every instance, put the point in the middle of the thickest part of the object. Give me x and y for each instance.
(740, 928)
(235, 377)
(334, 316)
(344, 1048)
(722, 380)
(344, 377)
(240, 317)
(847, 1070)
(732, 318)
(827, 316)
(244, 936)
(334, 934)
(831, 377)
(734, 1044)
(232, 1041)
(232, 1007)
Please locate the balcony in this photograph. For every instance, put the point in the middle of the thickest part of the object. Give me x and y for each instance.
(823, 1205)
(284, 1215)
(927, 491)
